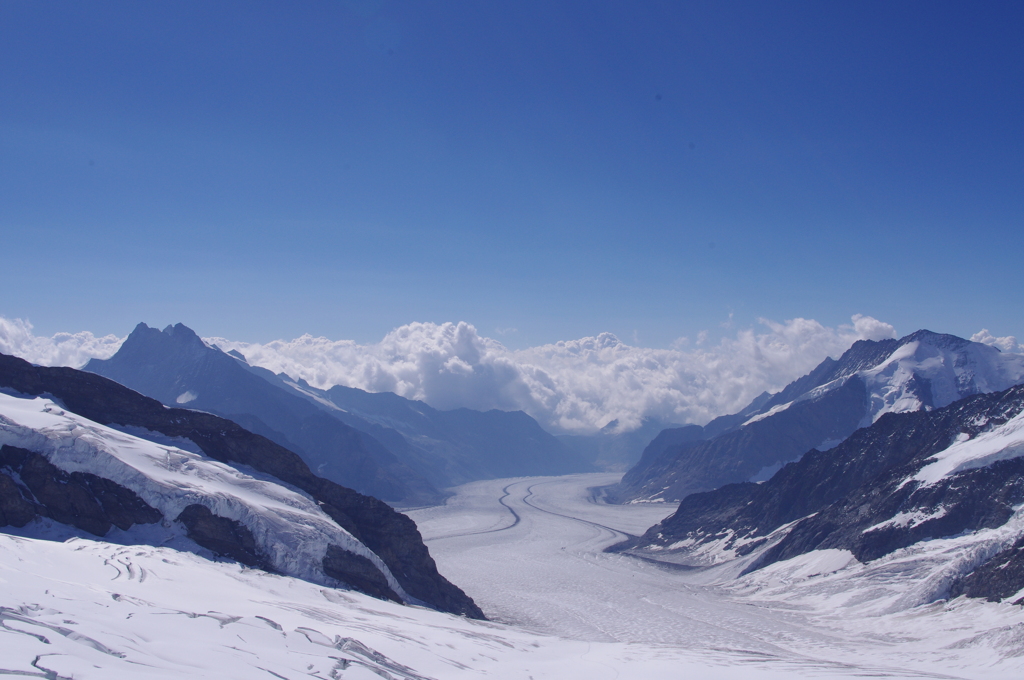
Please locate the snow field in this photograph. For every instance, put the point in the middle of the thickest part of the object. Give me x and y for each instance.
(96, 611)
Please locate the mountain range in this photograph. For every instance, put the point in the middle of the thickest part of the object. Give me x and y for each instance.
(400, 450)
(921, 371)
(912, 494)
(909, 479)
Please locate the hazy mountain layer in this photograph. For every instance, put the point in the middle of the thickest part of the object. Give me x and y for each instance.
(175, 367)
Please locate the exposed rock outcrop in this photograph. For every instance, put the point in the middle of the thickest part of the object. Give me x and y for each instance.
(921, 371)
(78, 499)
(357, 571)
(222, 536)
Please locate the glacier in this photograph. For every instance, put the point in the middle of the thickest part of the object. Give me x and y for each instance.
(289, 527)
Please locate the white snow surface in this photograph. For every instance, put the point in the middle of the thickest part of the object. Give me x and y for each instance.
(824, 613)
(186, 397)
(950, 375)
(769, 413)
(1000, 443)
(288, 526)
(88, 610)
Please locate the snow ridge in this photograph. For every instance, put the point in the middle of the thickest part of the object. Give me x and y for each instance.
(1001, 443)
(292, 532)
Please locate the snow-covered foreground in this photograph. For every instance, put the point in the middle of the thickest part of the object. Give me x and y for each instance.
(84, 609)
(529, 552)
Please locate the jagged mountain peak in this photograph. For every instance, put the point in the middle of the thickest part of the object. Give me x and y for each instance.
(177, 368)
(238, 355)
(924, 369)
(378, 443)
(945, 340)
(179, 339)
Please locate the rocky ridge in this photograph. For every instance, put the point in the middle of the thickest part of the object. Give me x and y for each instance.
(888, 487)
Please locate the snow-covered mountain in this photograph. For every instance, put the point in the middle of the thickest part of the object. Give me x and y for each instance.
(175, 367)
(394, 448)
(89, 454)
(923, 370)
(947, 483)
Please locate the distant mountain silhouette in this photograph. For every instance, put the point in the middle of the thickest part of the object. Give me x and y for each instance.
(450, 447)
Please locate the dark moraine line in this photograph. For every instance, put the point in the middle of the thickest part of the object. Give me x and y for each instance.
(526, 499)
(515, 515)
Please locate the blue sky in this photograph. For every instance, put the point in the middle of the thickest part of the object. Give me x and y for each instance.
(262, 170)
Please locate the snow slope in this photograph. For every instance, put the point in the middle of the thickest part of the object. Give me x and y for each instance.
(920, 372)
(1001, 443)
(949, 368)
(288, 526)
(528, 550)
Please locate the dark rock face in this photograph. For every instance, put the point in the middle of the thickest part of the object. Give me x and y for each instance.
(358, 572)
(391, 535)
(175, 367)
(878, 460)
(222, 536)
(16, 510)
(79, 499)
(998, 578)
(847, 498)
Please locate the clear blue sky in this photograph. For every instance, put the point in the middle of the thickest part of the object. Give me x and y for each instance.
(259, 170)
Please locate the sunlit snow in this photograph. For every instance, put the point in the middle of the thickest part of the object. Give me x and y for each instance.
(529, 551)
(1001, 443)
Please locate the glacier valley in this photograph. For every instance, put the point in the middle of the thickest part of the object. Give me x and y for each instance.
(530, 552)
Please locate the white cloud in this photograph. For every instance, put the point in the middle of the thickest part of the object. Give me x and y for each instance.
(576, 385)
(63, 349)
(1006, 343)
(872, 329)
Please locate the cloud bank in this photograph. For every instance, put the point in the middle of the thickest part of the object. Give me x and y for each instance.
(63, 349)
(572, 386)
(1006, 343)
